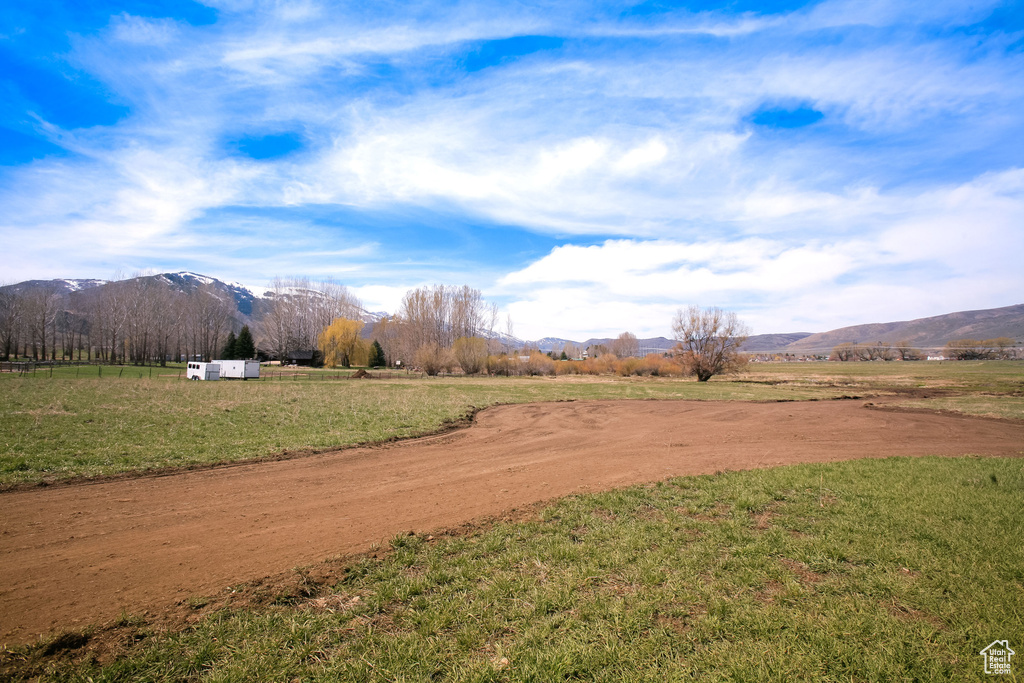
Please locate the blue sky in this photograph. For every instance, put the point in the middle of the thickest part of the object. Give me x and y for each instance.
(591, 167)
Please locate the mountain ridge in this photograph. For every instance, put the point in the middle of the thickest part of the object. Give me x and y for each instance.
(931, 332)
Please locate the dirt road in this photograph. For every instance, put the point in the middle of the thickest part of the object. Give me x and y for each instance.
(81, 554)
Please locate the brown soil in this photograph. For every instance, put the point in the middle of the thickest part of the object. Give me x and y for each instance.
(87, 554)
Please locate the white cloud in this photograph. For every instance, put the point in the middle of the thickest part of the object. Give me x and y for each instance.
(886, 87)
(619, 180)
(582, 312)
(143, 31)
(881, 13)
(641, 157)
(689, 272)
(382, 298)
(925, 254)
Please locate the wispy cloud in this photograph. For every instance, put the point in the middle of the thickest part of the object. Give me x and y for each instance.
(625, 158)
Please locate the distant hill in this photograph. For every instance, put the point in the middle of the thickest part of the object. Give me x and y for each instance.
(249, 305)
(186, 282)
(58, 286)
(183, 281)
(648, 345)
(763, 343)
(923, 333)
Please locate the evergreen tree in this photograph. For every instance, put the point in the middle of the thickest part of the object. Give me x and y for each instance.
(245, 347)
(230, 347)
(377, 358)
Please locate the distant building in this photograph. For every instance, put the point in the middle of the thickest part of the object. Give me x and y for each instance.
(307, 358)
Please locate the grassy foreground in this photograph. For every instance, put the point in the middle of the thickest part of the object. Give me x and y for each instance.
(872, 570)
(64, 427)
(94, 421)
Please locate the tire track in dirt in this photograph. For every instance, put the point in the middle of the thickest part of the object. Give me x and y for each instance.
(83, 554)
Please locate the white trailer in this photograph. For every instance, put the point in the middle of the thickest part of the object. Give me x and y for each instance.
(204, 371)
(239, 369)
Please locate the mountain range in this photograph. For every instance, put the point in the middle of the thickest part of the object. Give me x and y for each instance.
(924, 333)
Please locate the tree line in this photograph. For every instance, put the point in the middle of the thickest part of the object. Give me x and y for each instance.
(147, 319)
(981, 349)
(957, 349)
(138, 320)
(441, 328)
(436, 329)
(849, 351)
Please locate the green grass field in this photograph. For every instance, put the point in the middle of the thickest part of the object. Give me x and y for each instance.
(91, 421)
(871, 570)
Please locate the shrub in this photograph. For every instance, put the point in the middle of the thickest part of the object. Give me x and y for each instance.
(471, 354)
(432, 359)
(500, 365)
(539, 364)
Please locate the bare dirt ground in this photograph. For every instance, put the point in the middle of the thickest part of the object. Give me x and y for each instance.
(76, 555)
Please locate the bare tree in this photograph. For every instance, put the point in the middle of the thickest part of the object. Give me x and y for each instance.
(110, 316)
(386, 333)
(318, 305)
(140, 319)
(626, 346)
(468, 317)
(276, 330)
(491, 316)
(510, 333)
(438, 315)
(300, 310)
(422, 318)
(167, 320)
(906, 351)
(470, 354)
(11, 321)
(1001, 347)
(709, 340)
(177, 326)
(72, 327)
(877, 351)
(208, 316)
(40, 311)
(843, 352)
(432, 358)
(979, 349)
